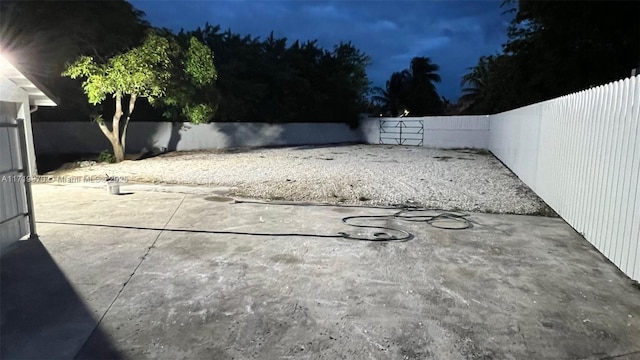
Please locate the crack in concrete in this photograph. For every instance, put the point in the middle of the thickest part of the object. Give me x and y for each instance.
(142, 259)
(620, 356)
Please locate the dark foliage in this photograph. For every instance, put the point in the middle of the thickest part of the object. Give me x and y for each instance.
(412, 90)
(258, 80)
(556, 48)
(269, 81)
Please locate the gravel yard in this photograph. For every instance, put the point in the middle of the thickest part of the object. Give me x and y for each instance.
(356, 174)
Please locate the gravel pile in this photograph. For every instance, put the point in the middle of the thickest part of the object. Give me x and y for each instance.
(356, 174)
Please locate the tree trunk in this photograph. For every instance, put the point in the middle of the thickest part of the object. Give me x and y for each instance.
(118, 151)
(113, 134)
(123, 138)
(116, 139)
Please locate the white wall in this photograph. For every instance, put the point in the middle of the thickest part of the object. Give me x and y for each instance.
(445, 132)
(81, 137)
(581, 154)
(456, 132)
(370, 130)
(9, 92)
(225, 135)
(84, 137)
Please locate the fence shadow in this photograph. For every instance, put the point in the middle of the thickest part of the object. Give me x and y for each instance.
(42, 317)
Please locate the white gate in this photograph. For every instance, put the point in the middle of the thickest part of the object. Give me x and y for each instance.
(401, 132)
(16, 205)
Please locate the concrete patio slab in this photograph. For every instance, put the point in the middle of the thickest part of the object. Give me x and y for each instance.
(252, 280)
(67, 203)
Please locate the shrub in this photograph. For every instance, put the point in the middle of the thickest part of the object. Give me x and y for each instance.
(106, 156)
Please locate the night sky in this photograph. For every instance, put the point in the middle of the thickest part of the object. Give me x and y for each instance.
(454, 34)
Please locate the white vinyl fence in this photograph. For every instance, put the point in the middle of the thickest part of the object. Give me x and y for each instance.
(581, 154)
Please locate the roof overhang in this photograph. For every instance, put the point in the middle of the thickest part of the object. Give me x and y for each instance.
(38, 94)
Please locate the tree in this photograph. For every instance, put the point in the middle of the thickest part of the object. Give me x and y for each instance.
(191, 94)
(151, 70)
(423, 97)
(271, 81)
(343, 82)
(475, 83)
(424, 71)
(555, 48)
(575, 45)
(412, 90)
(393, 96)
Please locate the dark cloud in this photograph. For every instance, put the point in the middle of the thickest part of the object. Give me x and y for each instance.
(453, 33)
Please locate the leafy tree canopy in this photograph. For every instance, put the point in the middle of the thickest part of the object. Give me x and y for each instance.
(144, 71)
(159, 70)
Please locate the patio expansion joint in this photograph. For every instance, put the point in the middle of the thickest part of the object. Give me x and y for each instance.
(124, 285)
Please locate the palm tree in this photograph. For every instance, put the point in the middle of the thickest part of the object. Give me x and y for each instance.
(423, 98)
(393, 96)
(413, 90)
(475, 83)
(424, 71)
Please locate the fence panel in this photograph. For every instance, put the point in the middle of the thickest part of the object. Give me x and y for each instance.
(581, 154)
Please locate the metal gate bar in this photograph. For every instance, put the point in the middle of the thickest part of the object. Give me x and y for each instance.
(402, 131)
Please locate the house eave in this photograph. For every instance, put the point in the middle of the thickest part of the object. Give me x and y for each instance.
(38, 94)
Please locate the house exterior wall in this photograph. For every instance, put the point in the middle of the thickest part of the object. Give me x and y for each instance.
(13, 225)
(14, 211)
(9, 92)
